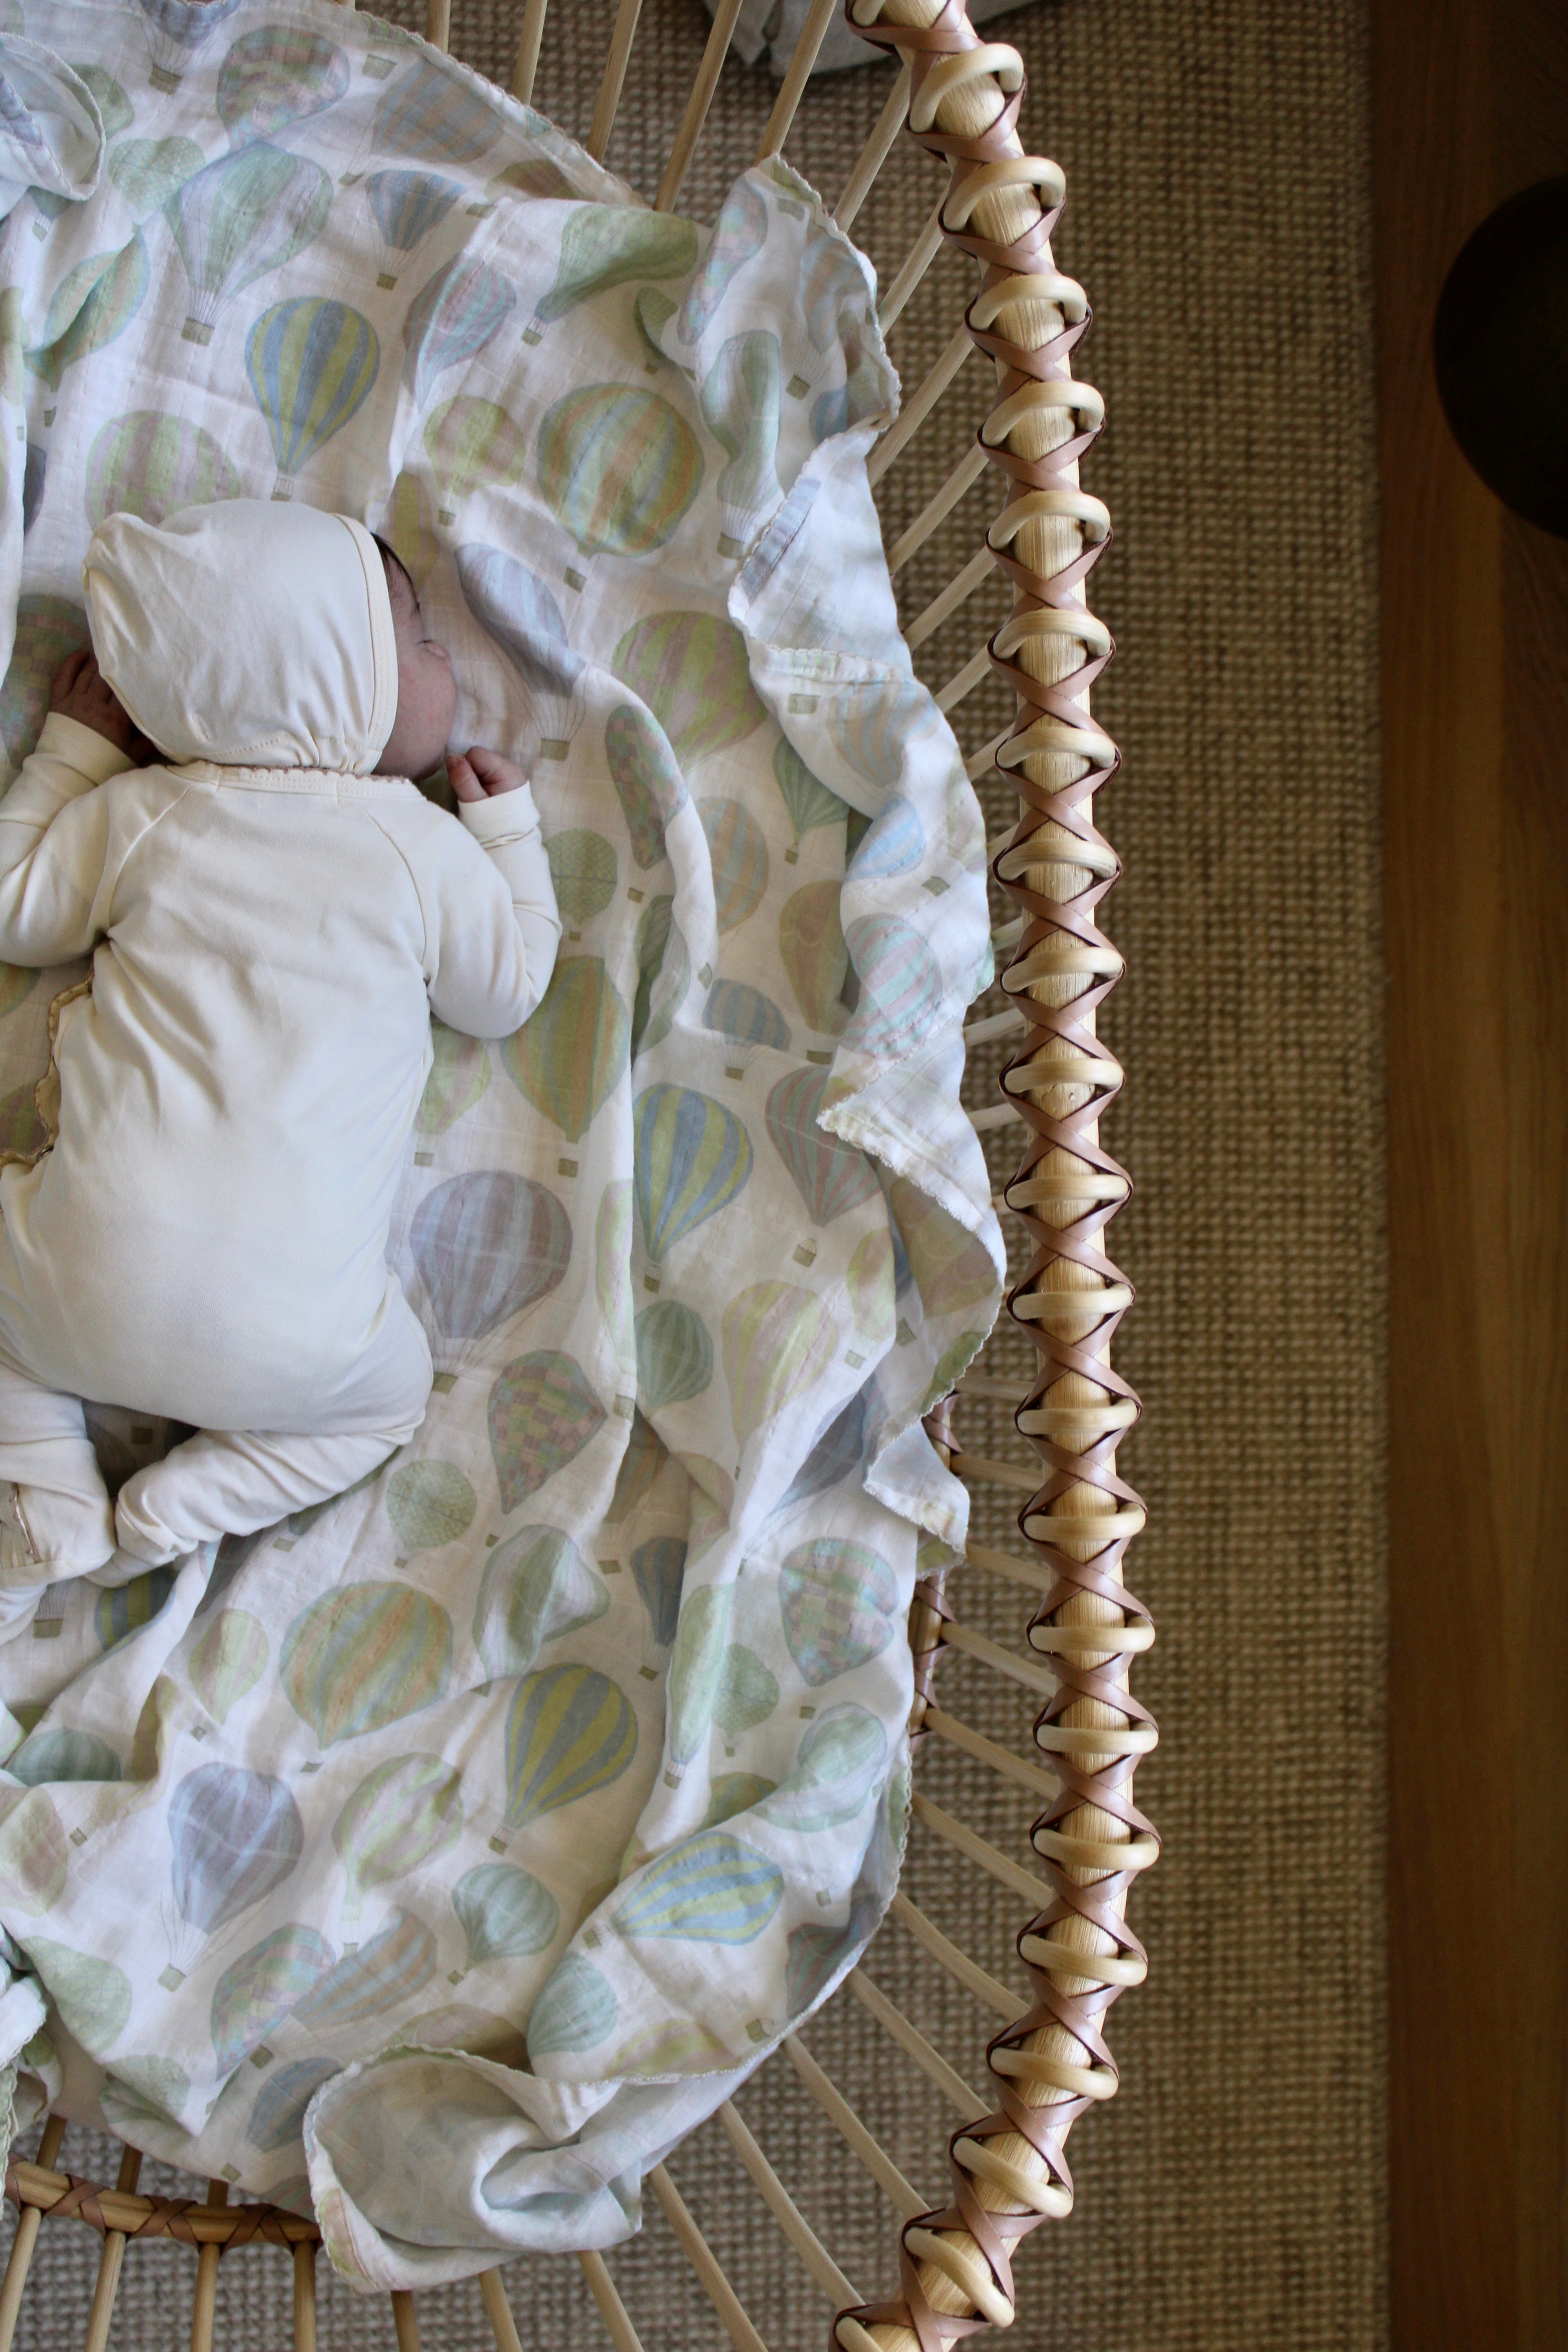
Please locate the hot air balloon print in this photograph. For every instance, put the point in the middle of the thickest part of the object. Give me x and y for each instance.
(374, 1980)
(691, 1159)
(240, 218)
(866, 386)
(471, 444)
(653, 312)
(125, 1609)
(529, 175)
(278, 2117)
(569, 1733)
(895, 844)
(569, 1057)
(91, 1995)
(17, 981)
(275, 76)
(838, 1601)
(62, 1753)
(435, 118)
(816, 1955)
(400, 1817)
(365, 1656)
(406, 207)
(742, 396)
(695, 1665)
(739, 231)
(691, 671)
(33, 1855)
(259, 1989)
(617, 467)
(576, 2010)
(613, 1270)
(711, 1889)
(453, 316)
(647, 778)
(604, 246)
(747, 1695)
(951, 1268)
(149, 464)
(177, 34)
(644, 1457)
(870, 1280)
(830, 1175)
(658, 1566)
(675, 1355)
(872, 726)
(487, 1246)
(664, 974)
(837, 1772)
(48, 629)
(519, 613)
(115, 111)
(537, 1588)
(541, 1414)
(140, 2086)
(91, 305)
(228, 1662)
(147, 171)
(740, 856)
(582, 868)
(460, 1073)
(838, 1447)
(777, 1339)
(311, 363)
(807, 802)
(504, 1912)
(747, 1021)
(735, 1792)
(900, 983)
(430, 1505)
(237, 1836)
(815, 959)
(24, 1137)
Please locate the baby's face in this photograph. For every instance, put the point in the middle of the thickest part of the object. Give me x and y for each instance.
(427, 690)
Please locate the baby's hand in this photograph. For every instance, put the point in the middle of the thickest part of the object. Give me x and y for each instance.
(80, 692)
(482, 774)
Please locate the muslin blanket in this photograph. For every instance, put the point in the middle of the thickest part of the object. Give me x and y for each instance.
(438, 1859)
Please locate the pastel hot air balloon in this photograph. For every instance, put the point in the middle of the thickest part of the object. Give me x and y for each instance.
(741, 395)
(608, 245)
(735, 1792)
(489, 1245)
(537, 1588)
(691, 1159)
(866, 386)
(838, 1447)
(460, 1073)
(63, 1754)
(813, 951)
(569, 1733)
(747, 1021)
(91, 305)
(240, 219)
(830, 284)
(17, 981)
(613, 1270)
(951, 1268)
(569, 1057)
(115, 111)
(228, 1662)
(838, 1601)
(900, 983)
(519, 613)
(658, 1566)
(147, 171)
(582, 868)
(576, 2011)
(374, 1980)
(873, 725)
(401, 1816)
(675, 1355)
(739, 231)
(33, 1857)
(237, 1836)
(311, 364)
(807, 802)
(177, 34)
(139, 2088)
(471, 444)
(830, 1175)
(691, 671)
(816, 1955)
(149, 464)
(505, 1913)
(870, 1280)
(277, 75)
(837, 1772)
(541, 1414)
(644, 1458)
(406, 526)
(124, 1610)
(646, 777)
(278, 2114)
(92, 1996)
(48, 629)
(695, 1665)
(895, 845)
(777, 1339)
(406, 207)
(740, 855)
(664, 974)
(453, 316)
(435, 118)
(747, 1695)
(430, 1505)
(653, 312)
(529, 175)
(365, 1656)
(617, 467)
(709, 1889)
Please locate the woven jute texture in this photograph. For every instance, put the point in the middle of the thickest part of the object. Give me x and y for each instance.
(1231, 2198)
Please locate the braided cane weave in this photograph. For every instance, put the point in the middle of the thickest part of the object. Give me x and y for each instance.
(1008, 2170)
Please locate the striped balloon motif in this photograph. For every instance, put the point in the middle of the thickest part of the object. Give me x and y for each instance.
(537, 1588)
(837, 1771)
(618, 467)
(895, 844)
(691, 1159)
(278, 2114)
(868, 1278)
(675, 1355)
(951, 1268)
(240, 219)
(470, 443)
(816, 1955)
(777, 1339)
(523, 616)
(900, 983)
(149, 464)
(659, 1565)
(873, 726)
(604, 246)
(256, 1991)
(453, 316)
(695, 1665)
(460, 1073)
(807, 800)
(837, 1448)
(647, 778)
(691, 671)
(576, 2010)
(830, 1175)
(487, 1246)
(743, 394)
(275, 76)
(237, 1836)
(48, 629)
(747, 1019)
(365, 1656)
(569, 1057)
(740, 855)
(504, 1912)
(664, 974)
(739, 231)
(838, 1600)
(813, 954)
(401, 1816)
(541, 1414)
(92, 304)
(398, 1962)
(569, 1732)
(644, 1456)
(406, 527)
(311, 364)
(226, 1664)
(735, 1792)
(712, 1889)
(62, 1754)
(434, 117)
(406, 207)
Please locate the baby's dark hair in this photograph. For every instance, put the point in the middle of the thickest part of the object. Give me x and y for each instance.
(392, 564)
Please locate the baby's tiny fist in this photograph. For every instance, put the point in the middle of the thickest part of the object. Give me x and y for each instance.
(483, 774)
(80, 692)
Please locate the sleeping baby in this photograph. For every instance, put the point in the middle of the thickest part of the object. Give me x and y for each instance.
(273, 911)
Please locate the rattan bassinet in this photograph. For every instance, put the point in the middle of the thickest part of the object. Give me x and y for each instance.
(959, 98)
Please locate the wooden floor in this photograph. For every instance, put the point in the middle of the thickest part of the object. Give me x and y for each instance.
(1471, 104)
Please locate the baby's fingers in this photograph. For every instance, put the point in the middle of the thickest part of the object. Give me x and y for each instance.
(68, 673)
(462, 779)
(496, 773)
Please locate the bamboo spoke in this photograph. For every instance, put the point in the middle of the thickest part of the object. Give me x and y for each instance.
(959, 1965)
(917, 261)
(875, 152)
(927, 2057)
(207, 2261)
(919, 405)
(527, 41)
(705, 2262)
(996, 1865)
(405, 2323)
(498, 2311)
(26, 2238)
(847, 2123)
(612, 2310)
(802, 57)
(813, 2253)
(698, 104)
(110, 2261)
(304, 2297)
(438, 24)
(607, 104)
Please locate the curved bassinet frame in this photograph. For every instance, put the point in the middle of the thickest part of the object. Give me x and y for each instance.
(959, 98)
